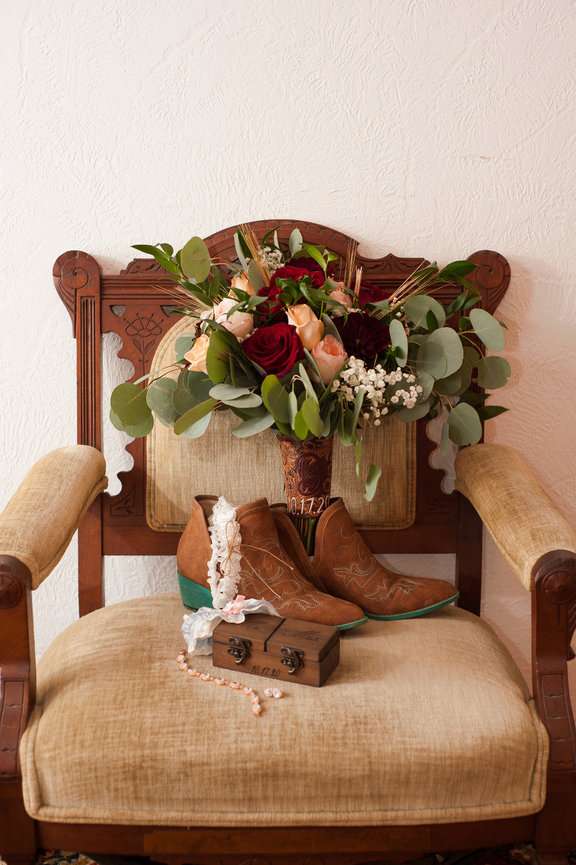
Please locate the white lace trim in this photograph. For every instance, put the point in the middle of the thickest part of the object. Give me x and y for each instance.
(223, 579)
(224, 564)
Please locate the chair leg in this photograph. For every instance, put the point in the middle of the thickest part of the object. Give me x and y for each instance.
(17, 829)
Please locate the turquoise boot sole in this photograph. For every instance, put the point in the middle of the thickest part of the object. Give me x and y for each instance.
(416, 614)
(196, 596)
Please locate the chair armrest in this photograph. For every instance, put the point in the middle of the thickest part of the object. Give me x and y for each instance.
(522, 519)
(43, 514)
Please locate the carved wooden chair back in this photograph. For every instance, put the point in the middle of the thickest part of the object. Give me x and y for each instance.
(134, 304)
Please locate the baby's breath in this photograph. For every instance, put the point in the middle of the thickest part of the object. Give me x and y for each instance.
(384, 392)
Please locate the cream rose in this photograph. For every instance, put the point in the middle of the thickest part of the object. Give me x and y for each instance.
(330, 357)
(308, 327)
(196, 357)
(242, 282)
(241, 324)
(340, 296)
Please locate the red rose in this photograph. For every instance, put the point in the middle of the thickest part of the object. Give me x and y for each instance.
(273, 291)
(276, 348)
(290, 271)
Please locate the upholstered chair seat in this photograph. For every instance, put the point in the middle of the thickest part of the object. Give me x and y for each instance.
(424, 721)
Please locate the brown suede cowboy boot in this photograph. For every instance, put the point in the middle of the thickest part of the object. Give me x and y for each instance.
(267, 571)
(345, 567)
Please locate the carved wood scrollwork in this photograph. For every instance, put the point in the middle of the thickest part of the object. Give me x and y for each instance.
(554, 621)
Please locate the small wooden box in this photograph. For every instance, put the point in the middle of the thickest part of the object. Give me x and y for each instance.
(285, 649)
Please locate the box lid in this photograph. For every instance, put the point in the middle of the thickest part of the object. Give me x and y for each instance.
(258, 628)
(308, 637)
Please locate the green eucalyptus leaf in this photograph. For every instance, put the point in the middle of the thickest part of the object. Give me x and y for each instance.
(192, 387)
(488, 329)
(346, 428)
(295, 241)
(160, 399)
(136, 430)
(313, 366)
(250, 400)
(300, 426)
(330, 328)
(128, 402)
(254, 425)
(194, 414)
(441, 353)
(399, 340)
(240, 251)
(275, 398)
(418, 307)
(374, 474)
(183, 345)
(426, 382)
(217, 363)
(493, 372)
(197, 429)
(306, 382)
(464, 425)
(459, 381)
(195, 259)
(227, 392)
(420, 410)
(311, 414)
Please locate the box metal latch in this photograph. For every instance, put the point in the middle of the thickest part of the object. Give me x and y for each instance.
(239, 649)
(292, 659)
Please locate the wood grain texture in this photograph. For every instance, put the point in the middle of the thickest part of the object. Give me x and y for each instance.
(17, 693)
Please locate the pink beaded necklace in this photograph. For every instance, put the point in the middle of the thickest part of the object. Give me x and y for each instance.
(257, 708)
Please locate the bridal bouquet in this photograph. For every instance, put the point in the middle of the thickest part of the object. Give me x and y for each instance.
(288, 337)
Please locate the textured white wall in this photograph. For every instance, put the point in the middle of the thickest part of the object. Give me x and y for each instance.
(432, 127)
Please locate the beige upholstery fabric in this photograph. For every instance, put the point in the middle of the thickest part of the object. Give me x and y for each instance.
(217, 463)
(519, 515)
(424, 721)
(43, 514)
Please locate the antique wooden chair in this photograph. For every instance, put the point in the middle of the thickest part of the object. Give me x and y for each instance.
(425, 740)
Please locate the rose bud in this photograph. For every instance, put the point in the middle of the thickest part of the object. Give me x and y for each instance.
(196, 357)
(239, 323)
(330, 357)
(242, 282)
(308, 327)
(341, 296)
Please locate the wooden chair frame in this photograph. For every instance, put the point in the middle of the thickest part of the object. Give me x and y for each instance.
(134, 305)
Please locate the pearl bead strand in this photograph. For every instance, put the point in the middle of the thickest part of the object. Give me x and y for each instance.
(257, 709)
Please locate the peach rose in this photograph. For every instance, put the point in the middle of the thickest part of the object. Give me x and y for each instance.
(196, 357)
(340, 296)
(242, 282)
(330, 357)
(308, 327)
(240, 323)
